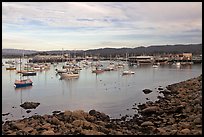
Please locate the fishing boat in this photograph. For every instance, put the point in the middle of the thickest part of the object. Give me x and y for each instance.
(22, 83)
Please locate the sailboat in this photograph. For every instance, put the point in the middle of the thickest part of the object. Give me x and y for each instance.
(22, 82)
(127, 72)
(29, 72)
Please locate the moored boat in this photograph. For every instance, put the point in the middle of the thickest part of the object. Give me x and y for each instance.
(128, 72)
(69, 75)
(11, 68)
(23, 83)
(98, 71)
(29, 73)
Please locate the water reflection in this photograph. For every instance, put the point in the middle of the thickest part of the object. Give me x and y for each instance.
(21, 95)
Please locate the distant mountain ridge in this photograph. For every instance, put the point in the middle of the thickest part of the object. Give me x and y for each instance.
(156, 49)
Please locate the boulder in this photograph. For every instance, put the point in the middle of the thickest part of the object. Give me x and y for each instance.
(147, 91)
(147, 123)
(49, 132)
(185, 131)
(29, 105)
(150, 110)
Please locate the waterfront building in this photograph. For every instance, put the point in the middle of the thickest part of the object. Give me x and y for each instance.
(141, 59)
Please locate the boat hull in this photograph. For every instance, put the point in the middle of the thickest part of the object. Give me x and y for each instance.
(22, 85)
(66, 75)
(29, 74)
(10, 68)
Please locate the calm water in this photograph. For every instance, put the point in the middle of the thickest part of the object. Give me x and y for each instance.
(109, 92)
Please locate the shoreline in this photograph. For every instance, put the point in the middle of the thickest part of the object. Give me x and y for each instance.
(179, 112)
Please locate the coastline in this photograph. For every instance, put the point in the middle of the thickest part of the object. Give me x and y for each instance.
(179, 112)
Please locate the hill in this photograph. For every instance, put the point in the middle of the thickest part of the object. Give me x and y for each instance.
(106, 52)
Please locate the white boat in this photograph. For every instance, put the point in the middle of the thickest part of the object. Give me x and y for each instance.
(155, 66)
(178, 63)
(128, 72)
(61, 70)
(69, 75)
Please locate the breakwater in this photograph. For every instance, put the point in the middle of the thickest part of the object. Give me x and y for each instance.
(178, 112)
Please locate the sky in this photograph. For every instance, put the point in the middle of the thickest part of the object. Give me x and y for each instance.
(91, 25)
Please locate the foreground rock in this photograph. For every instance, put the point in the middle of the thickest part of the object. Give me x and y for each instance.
(29, 105)
(179, 112)
(147, 91)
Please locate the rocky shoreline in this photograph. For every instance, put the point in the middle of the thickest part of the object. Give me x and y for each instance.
(179, 112)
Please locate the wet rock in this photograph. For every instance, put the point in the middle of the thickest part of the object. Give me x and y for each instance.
(28, 111)
(29, 105)
(142, 106)
(160, 88)
(147, 91)
(55, 112)
(5, 114)
(92, 112)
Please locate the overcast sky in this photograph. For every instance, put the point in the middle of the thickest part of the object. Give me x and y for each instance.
(88, 25)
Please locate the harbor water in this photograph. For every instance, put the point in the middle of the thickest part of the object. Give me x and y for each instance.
(108, 92)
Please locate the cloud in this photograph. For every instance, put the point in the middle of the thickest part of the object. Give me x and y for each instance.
(87, 23)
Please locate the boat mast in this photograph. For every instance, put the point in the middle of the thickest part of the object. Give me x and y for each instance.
(20, 68)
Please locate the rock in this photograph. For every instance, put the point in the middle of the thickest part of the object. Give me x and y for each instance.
(142, 106)
(5, 114)
(92, 112)
(79, 114)
(150, 110)
(147, 91)
(91, 132)
(28, 111)
(77, 123)
(173, 132)
(184, 124)
(46, 126)
(28, 129)
(197, 121)
(55, 121)
(147, 123)
(55, 112)
(49, 132)
(29, 105)
(161, 131)
(160, 88)
(185, 131)
(19, 126)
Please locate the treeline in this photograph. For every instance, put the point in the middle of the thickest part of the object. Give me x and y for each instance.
(112, 52)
